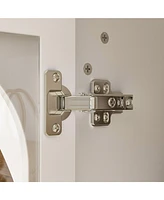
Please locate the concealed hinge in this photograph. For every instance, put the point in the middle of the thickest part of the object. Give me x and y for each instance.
(101, 102)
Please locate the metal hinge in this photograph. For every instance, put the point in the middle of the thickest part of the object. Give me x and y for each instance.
(101, 102)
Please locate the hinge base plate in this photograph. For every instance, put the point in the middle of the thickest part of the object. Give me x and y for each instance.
(53, 90)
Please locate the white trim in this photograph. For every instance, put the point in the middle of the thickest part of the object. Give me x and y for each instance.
(57, 51)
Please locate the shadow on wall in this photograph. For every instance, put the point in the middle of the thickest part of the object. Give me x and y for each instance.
(5, 175)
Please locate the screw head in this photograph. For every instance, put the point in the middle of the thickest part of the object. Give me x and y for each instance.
(128, 102)
(106, 117)
(120, 102)
(96, 117)
(56, 128)
(56, 77)
(87, 69)
(106, 88)
(112, 102)
(104, 37)
(97, 88)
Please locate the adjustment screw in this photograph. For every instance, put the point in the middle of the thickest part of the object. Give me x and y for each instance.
(104, 37)
(97, 88)
(106, 88)
(56, 128)
(106, 117)
(87, 69)
(128, 102)
(56, 77)
(112, 102)
(97, 117)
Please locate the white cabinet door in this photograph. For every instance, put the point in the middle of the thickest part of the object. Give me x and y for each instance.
(28, 47)
(131, 147)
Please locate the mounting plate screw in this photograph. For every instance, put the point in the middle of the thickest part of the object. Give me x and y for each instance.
(97, 117)
(106, 88)
(104, 37)
(56, 77)
(97, 88)
(106, 117)
(56, 128)
(87, 69)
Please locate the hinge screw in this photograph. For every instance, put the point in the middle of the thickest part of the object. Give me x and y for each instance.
(104, 37)
(97, 117)
(106, 88)
(112, 102)
(106, 117)
(56, 128)
(87, 69)
(128, 102)
(97, 88)
(56, 77)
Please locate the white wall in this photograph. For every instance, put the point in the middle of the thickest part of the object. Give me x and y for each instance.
(131, 148)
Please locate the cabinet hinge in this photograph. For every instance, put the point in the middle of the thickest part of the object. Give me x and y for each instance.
(101, 102)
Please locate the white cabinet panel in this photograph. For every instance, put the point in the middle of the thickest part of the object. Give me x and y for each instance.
(131, 148)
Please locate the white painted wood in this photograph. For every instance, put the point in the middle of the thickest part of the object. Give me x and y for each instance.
(57, 51)
(131, 148)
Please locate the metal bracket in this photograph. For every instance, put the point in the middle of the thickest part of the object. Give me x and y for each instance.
(101, 102)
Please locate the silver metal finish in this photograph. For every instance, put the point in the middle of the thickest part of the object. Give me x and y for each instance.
(54, 93)
(96, 117)
(56, 77)
(97, 88)
(106, 103)
(56, 128)
(82, 103)
(97, 102)
(128, 102)
(106, 117)
(101, 103)
(112, 102)
(87, 69)
(102, 86)
(106, 88)
(104, 38)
